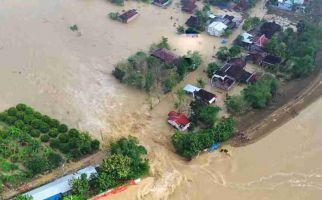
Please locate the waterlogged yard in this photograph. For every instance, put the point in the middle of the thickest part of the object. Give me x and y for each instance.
(32, 143)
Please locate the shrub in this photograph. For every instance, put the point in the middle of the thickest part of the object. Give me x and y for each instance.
(28, 119)
(118, 73)
(12, 111)
(53, 132)
(46, 119)
(95, 145)
(21, 107)
(36, 164)
(45, 138)
(180, 29)
(236, 104)
(19, 124)
(11, 120)
(74, 28)
(63, 137)
(29, 111)
(44, 127)
(36, 123)
(37, 115)
(76, 153)
(20, 115)
(73, 133)
(35, 133)
(114, 15)
(64, 147)
(3, 116)
(27, 128)
(54, 160)
(54, 123)
(63, 128)
(54, 143)
(118, 2)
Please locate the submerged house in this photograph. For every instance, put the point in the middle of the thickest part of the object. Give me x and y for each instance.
(162, 3)
(205, 96)
(216, 28)
(269, 29)
(233, 71)
(178, 120)
(271, 60)
(56, 189)
(195, 23)
(164, 55)
(128, 16)
(255, 57)
(189, 6)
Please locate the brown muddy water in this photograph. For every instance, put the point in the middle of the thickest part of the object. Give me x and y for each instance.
(67, 75)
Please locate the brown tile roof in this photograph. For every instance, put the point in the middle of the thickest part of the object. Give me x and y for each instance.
(164, 55)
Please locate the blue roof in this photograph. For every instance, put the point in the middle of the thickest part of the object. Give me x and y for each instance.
(59, 186)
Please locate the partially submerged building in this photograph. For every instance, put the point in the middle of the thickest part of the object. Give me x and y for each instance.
(164, 55)
(189, 6)
(216, 28)
(195, 23)
(56, 189)
(178, 120)
(269, 29)
(205, 96)
(271, 60)
(162, 3)
(128, 16)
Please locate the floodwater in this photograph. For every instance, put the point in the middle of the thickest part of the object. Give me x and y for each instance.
(67, 75)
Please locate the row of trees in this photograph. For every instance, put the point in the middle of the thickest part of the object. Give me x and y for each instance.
(256, 95)
(190, 144)
(298, 49)
(126, 160)
(149, 73)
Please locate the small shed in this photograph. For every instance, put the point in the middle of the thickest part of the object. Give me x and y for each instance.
(216, 28)
(128, 16)
(190, 89)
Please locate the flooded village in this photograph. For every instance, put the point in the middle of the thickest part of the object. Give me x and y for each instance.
(160, 100)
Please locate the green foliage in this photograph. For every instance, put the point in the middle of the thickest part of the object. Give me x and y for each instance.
(73, 197)
(261, 92)
(63, 128)
(235, 51)
(23, 197)
(209, 115)
(228, 32)
(53, 132)
(212, 68)
(36, 164)
(196, 60)
(35, 133)
(277, 47)
(201, 83)
(170, 82)
(45, 138)
(119, 73)
(74, 28)
(114, 15)
(80, 186)
(189, 145)
(179, 104)
(223, 53)
(118, 2)
(162, 44)
(54, 160)
(251, 23)
(236, 104)
(12, 111)
(180, 29)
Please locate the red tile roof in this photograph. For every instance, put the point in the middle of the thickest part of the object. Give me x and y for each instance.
(178, 118)
(262, 40)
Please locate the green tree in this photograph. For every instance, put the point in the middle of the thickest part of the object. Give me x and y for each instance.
(80, 186)
(180, 103)
(236, 104)
(301, 66)
(209, 115)
(36, 164)
(196, 60)
(277, 47)
(234, 51)
(251, 23)
(73, 197)
(23, 197)
(118, 2)
(223, 53)
(117, 166)
(212, 68)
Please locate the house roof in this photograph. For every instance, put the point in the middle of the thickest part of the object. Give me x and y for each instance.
(189, 5)
(60, 185)
(247, 38)
(160, 2)
(254, 57)
(269, 28)
(205, 95)
(270, 59)
(238, 62)
(164, 54)
(218, 26)
(193, 22)
(190, 88)
(178, 118)
(128, 14)
(262, 40)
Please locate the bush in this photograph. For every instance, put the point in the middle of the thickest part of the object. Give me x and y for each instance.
(44, 127)
(27, 128)
(95, 145)
(54, 160)
(35, 133)
(11, 120)
(73, 133)
(45, 138)
(21, 107)
(36, 123)
(28, 119)
(118, 73)
(114, 15)
(3, 116)
(74, 28)
(19, 124)
(37, 115)
(53, 132)
(54, 123)
(46, 119)
(63, 137)
(20, 115)
(180, 29)
(212, 68)
(29, 111)
(64, 147)
(236, 104)
(118, 2)
(63, 128)
(12, 111)
(54, 143)
(36, 164)
(251, 23)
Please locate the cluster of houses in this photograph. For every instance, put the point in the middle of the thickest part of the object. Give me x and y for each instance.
(256, 43)
(290, 5)
(216, 24)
